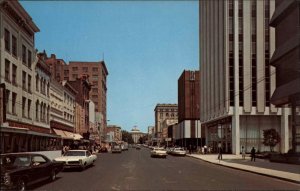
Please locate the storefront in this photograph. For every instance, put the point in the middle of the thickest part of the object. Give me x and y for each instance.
(219, 132)
(24, 140)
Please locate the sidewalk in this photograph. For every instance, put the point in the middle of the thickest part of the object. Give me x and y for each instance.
(282, 171)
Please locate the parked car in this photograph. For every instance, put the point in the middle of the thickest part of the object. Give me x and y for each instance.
(169, 150)
(178, 152)
(19, 170)
(124, 146)
(116, 149)
(159, 152)
(77, 159)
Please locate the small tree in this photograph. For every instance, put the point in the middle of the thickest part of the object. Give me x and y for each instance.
(271, 138)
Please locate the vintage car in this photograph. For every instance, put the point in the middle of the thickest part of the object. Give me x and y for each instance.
(178, 152)
(159, 152)
(19, 170)
(116, 149)
(77, 159)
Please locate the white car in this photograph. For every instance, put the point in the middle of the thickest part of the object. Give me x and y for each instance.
(178, 151)
(77, 158)
(159, 152)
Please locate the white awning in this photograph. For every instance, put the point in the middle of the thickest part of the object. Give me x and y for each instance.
(73, 136)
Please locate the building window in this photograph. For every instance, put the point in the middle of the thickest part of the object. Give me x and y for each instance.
(75, 68)
(7, 70)
(7, 40)
(74, 76)
(29, 109)
(95, 90)
(95, 69)
(23, 106)
(7, 93)
(14, 46)
(29, 83)
(13, 106)
(95, 77)
(29, 59)
(85, 69)
(95, 96)
(37, 111)
(24, 54)
(37, 83)
(14, 75)
(66, 72)
(24, 80)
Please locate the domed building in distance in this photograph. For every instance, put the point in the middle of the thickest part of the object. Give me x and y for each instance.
(136, 134)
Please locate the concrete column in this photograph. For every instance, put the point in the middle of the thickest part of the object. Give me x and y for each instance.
(284, 130)
(236, 117)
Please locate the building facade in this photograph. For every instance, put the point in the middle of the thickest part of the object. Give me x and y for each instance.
(115, 131)
(136, 134)
(97, 75)
(189, 126)
(82, 86)
(27, 80)
(237, 80)
(163, 112)
(286, 60)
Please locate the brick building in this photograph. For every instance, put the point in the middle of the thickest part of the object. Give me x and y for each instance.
(189, 127)
(97, 75)
(82, 86)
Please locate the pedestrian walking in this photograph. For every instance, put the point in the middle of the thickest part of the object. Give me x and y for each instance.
(190, 149)
(205, 149)
(220, 151)
(253, 154)
(243, 152)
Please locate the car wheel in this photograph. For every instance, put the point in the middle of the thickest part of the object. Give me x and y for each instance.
(53, 175)
(21, 185)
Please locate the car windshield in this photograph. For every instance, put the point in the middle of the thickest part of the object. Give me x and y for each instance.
(75, 153)
(179, 149)
(15, 161)
(159, 149)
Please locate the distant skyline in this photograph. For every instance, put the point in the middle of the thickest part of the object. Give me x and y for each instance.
(146, 46)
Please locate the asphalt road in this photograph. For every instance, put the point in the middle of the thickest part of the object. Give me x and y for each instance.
(136, 170)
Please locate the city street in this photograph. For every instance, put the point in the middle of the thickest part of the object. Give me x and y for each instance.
(136, 170)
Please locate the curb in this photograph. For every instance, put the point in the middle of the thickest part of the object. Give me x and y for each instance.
(245, 170)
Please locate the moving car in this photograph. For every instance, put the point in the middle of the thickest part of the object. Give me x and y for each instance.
(77, 159)
(178, 152)
(116, 149)
(19, 170)
(159, 152)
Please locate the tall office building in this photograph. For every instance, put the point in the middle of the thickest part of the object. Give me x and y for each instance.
(97, 75)
(237, 80)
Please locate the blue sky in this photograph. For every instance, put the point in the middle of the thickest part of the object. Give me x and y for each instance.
(146, 47)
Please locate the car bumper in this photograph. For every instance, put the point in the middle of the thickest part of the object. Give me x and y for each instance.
(7, 187)
(159, 155)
